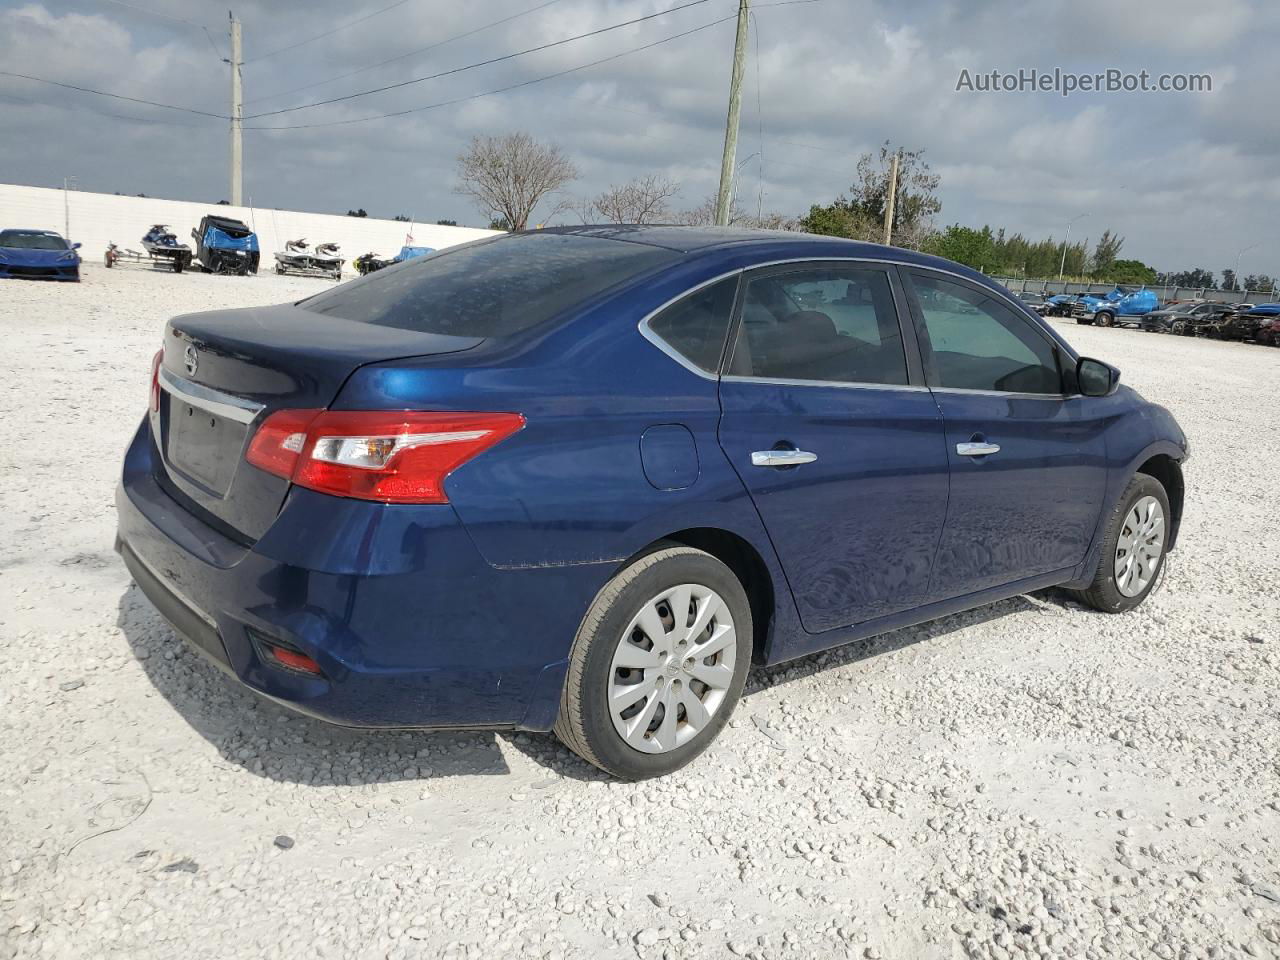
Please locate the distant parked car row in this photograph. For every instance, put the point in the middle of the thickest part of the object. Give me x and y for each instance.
(1127, 306)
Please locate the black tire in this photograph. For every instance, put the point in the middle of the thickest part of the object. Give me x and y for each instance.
(177, 264)
(1103, 594)
(584, 723)
(1105, 319)
(109, 260)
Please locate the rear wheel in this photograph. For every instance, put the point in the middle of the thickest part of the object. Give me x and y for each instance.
(1133, 548)
(658, 664)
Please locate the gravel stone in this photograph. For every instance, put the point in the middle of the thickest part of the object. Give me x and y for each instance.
(937, 794)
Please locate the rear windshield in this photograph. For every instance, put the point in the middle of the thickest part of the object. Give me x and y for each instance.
(492, 288)
(31, 240)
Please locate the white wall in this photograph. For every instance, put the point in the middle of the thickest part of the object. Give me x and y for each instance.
(99, 218)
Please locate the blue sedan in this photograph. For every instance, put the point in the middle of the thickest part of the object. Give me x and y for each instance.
(581, 479)
(38, 254)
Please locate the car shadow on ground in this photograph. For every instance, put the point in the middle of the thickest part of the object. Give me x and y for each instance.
(271, 741)
(567, 764)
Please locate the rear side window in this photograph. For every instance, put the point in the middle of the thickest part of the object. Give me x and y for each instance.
(835, 324)
(492, 288)
(980, 344)
(696, 326)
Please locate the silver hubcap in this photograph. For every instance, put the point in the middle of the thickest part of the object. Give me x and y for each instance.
(672, 668)
(1139, 547)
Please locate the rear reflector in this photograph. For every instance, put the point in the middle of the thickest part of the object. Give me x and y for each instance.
(390, 457)
(292, 659)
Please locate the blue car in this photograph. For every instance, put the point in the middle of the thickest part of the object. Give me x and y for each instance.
(409, 253)
(38, 254)
(580, 479)
(1121, 306)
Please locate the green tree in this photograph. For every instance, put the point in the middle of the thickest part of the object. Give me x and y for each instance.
(1132, 271)
(860, 214)
(1196, 279)
(973, 248)
(1105, 253)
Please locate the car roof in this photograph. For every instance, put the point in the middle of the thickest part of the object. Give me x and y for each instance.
(679, 238)
(706, 241)
(683, 239)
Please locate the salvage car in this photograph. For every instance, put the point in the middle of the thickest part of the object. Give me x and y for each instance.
(1121, 307)
(582, 478)
(1268, 333)
(224, 245)
(38, 254)
(1034, 302)
(1235, 326)
(1162, 320)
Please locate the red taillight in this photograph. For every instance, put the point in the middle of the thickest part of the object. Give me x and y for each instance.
(391, 457)
(279, 441)
(155, 380)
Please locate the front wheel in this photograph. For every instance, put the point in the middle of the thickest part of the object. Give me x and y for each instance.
(658, 664)
(1133, 548)
(1105, 320)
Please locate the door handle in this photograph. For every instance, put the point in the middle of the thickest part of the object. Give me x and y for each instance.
(977, 448)
(781, 458)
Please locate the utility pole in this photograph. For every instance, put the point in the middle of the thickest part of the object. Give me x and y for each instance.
(237, 115)
(68, 184)
(893, 198)
(724, 197)
(1062, 265)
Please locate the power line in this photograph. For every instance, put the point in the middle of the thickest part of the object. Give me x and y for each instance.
(172, 19)
(411, 53)
(514, 86)
(114, 96)
(472, 66)
(156, 13)
(328, 33)
(77, 107)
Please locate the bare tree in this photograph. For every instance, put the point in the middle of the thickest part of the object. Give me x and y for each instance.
(642, 200)
(509, 176)
(704, 215)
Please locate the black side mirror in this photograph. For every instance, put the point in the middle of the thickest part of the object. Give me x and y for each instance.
(1095, 378)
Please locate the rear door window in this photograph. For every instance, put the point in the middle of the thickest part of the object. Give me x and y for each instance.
(696, 327)
(491, 288)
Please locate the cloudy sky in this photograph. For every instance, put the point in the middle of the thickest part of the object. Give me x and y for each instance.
(1189, 179)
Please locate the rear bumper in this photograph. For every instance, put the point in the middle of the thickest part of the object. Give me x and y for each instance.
(411, 627)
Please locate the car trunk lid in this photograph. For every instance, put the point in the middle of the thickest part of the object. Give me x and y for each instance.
(223, 372)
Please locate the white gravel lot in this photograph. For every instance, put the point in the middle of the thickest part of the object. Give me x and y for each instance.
(1026, 778)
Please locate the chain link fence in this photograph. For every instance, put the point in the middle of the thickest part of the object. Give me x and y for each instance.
(1165, 292)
